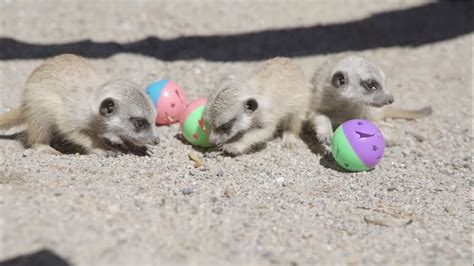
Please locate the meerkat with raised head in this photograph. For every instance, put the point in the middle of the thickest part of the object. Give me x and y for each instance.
(65, 96)
(352, 87)
(244, 114)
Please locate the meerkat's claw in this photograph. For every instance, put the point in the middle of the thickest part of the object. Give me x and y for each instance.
(326, 149)
(141, 150)
(325, 141)
(233, 149)
(149, 150)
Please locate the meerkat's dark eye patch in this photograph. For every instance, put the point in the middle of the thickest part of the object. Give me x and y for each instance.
(107, 107)
(339, 79)
(139, 123)
(251, 105)
(370, 85)
(226, 127)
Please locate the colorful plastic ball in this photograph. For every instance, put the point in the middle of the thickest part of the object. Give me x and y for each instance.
(169, 100)
(357, 145)
(193, 126)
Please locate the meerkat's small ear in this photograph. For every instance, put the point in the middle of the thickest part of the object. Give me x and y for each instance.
(339, 79)
(108, 107)
(250, 105)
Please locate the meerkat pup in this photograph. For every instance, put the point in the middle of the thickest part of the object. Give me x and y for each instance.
(352, 87)
(64, 96)
(244, 114)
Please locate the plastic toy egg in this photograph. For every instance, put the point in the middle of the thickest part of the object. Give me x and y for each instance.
(357, 145)
(169, 100)
(193, 126)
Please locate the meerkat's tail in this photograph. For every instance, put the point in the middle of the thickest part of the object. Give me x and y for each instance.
(12, 118)
(397, 112)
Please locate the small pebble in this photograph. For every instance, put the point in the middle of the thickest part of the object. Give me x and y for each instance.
(229, 193)
(197, 160)
(27, 153)
(139, 203)
(187, 191)
(449, 209)
(113, 209)
(267, 254)
(418, 137)
(220, 173)
(217, 210)
(406, 152)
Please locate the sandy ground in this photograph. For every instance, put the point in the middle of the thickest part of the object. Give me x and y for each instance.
(271, 207)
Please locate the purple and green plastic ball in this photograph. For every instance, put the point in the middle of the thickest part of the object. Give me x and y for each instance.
(357, 145)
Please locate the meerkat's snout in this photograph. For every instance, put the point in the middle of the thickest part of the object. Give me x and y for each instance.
(382, 99)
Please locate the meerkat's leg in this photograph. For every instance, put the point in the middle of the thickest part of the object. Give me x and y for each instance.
(45, 148)
(251, 138)
(323, 128)
(89, 146)
(39, 137)
(292, 131)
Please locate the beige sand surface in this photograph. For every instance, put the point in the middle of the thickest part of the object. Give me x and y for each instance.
(271, 207)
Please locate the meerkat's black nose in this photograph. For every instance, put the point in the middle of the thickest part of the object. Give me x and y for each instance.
(390, 100)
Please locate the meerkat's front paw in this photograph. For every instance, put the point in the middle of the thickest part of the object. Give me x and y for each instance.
(325, 141)
(233, 149)
(103, 153)
(44, 148)
(141, 150)
(289, 140)
(149, 150)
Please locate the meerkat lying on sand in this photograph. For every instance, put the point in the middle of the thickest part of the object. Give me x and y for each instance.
(64, 96)
(348, 88)
(244, 114)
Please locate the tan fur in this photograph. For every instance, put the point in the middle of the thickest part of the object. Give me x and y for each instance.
(64, 94)
(13, 118)
(283, 96)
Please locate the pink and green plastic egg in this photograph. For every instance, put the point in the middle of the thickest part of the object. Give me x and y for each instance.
(357, 145)
(169, 100)
(193, 126)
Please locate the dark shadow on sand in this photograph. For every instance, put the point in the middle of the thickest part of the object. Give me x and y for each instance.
(432, 22)
(326, 160)
(43, 257)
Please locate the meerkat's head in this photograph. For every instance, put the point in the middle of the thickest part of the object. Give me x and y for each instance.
(358, 80)
(126, 113)
(230, 111)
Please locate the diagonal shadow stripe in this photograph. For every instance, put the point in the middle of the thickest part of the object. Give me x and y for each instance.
(42, 257)
(416, 26)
